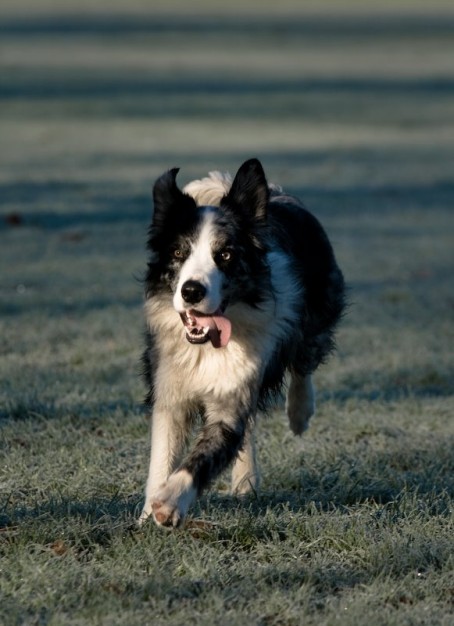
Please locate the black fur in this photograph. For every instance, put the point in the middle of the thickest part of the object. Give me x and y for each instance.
(252, 221)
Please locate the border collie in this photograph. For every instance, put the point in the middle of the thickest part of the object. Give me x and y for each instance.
(242, 286)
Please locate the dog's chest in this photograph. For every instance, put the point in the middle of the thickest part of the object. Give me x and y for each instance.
(188, 371)
(185, 370)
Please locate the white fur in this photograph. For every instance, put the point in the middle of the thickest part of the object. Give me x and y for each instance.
(203, 370)
(200, 266)
(207, 370)
(168, 437)
(210, 190)
(171, 501)
(193, 372)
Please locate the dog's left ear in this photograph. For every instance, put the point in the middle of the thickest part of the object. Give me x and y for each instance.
(170, 204)
(249, 190)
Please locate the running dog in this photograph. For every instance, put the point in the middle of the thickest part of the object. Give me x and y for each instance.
(242, 290)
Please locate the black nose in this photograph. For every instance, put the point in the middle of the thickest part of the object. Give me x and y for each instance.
(193, 291)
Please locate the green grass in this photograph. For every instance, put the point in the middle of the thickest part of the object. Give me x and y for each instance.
(356, 526)
(354, 522)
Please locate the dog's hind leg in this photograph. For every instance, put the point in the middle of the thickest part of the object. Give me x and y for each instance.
(300, 405)
(245, 477)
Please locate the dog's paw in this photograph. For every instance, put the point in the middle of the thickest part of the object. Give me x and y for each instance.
(167, 514)
(171, 502)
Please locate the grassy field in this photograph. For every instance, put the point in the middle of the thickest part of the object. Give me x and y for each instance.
(350, 106)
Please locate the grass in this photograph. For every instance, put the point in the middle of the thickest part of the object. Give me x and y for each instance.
(358, 524)
(354, 522)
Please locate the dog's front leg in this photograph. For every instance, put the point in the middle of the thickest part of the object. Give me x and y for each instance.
(168, 434)
(218, 444)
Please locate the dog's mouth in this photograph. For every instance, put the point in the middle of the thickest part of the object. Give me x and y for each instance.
(201, 327)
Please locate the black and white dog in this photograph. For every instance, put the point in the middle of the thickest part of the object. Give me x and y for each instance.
(242, 287)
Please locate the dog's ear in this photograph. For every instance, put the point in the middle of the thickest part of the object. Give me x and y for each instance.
(170, 203)
(249, 191)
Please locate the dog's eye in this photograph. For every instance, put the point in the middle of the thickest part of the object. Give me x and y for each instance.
(177, 253)
(226, 255)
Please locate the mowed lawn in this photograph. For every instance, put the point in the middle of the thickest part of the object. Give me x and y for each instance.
(351, 107)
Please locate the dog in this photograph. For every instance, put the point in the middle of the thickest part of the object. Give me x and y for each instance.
(242, 291)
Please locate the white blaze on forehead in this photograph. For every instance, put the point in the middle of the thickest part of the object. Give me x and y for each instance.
(200, 266)
(200, 261)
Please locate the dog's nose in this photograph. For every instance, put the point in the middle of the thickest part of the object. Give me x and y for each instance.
(192, 291)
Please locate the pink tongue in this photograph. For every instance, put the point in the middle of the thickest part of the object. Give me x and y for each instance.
(220, 327)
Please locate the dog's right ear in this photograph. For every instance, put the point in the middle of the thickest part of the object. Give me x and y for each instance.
(170, 203)
(249, 193)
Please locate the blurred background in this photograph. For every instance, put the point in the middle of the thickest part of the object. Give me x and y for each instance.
(349, 105)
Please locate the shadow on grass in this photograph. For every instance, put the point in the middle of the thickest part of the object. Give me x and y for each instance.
(83, 305)
(328, 564)
(352, 483)
(403, 474)
(402, 384)
(81, 414)
(94, 522)
(392, 480)
(120, 88)
(87, 204)
(308, 26)
(83, 205)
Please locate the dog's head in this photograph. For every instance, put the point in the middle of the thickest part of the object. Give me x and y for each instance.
(210, 257)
